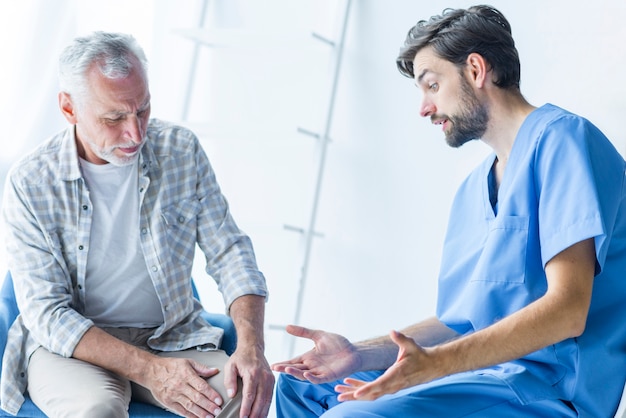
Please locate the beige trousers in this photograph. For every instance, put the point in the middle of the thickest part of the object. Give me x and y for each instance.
(67, 387)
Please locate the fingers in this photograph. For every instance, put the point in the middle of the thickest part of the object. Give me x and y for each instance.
(255, 381)
(204, 371)
(296, 371)
(294, 367)
(315, 378)
(182, 387)
(359, 390)
(280, 367)
(301, 332)
(256, 399)
(203, 389)
(399, 338)
(347, 392)
(195, 402)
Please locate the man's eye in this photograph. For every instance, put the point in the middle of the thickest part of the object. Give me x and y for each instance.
(434, 86)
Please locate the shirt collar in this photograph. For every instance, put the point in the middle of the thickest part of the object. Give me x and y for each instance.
(69, 169)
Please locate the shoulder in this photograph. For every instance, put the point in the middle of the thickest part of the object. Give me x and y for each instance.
(554, 134)
(553, 122)
(41, 164)
(167, 138)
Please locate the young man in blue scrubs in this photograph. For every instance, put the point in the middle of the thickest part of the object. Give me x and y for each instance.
(531, 315)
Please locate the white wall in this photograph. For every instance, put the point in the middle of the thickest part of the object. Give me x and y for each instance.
(389, 177)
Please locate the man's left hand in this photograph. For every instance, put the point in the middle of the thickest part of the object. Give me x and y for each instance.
(249, 364)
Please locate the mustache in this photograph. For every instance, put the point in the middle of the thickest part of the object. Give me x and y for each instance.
(436, 117)
(129, 144)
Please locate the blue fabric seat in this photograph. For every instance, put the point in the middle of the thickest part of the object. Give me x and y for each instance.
(9, 311)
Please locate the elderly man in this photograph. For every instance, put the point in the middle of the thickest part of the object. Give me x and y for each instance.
(103, 221)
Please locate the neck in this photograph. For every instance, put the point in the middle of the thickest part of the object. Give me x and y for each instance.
(507, 112)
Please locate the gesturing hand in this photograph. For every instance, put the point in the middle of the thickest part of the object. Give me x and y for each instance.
(410, 369)
(332, 358)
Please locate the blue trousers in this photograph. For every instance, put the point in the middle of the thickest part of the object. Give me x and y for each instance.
(463, 395)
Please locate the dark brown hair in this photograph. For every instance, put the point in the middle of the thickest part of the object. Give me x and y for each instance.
(456, 33)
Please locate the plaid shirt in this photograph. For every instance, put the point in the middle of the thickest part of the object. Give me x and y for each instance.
(48, 216)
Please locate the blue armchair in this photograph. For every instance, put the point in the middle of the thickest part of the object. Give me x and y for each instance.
(9, 311)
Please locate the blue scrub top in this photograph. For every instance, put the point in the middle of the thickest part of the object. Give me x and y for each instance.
(563, 183)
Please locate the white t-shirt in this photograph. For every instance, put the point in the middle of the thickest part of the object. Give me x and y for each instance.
(118, 288)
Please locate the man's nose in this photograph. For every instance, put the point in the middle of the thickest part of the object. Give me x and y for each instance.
(427, 108)
(134, 129)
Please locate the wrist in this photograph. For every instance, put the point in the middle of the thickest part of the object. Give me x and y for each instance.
(142, 367)
(443, 360)
(374, 355)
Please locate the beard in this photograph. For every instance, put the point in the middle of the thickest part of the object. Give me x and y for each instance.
(108, 154)
(472, 120)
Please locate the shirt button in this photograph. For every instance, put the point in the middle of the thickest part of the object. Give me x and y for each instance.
(155, 268)
(80, 247)
(85, 207)
(181, 219)
(144, 231)
(141, 190)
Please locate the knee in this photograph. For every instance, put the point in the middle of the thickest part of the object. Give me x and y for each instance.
(290, 399)
(284, 386)
(102, 408)
(288, 386)
(301, 398)
(283, 382)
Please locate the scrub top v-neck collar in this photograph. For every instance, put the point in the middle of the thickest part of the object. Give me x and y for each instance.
(491, 193)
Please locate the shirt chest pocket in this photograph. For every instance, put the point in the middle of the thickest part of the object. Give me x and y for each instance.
(503, 257)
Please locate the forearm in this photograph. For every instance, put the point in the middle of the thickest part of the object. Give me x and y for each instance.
(248, 314)
(539, 325)
(380, 353)
(99, 348)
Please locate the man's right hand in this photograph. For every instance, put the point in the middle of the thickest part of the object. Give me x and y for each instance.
(332, 358)
(180, 385)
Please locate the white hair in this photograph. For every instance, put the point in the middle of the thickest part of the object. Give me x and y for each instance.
(113, 54)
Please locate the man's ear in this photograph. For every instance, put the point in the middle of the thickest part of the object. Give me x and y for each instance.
(67, 107)
(477, 69)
